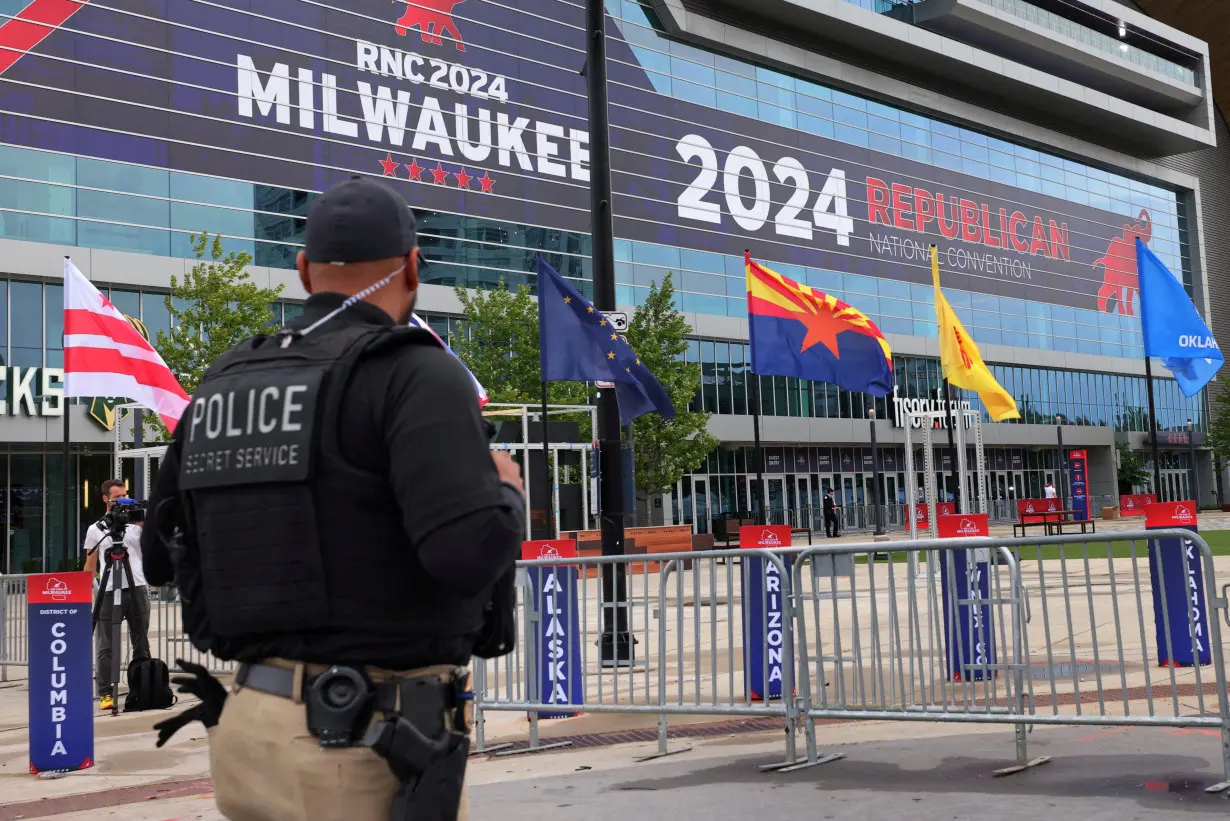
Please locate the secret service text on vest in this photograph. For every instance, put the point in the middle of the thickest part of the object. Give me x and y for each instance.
(254, 428)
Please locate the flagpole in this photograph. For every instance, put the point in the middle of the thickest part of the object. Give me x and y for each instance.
(616, 648)
(546, 468)
(68, 537)
(759, 495)
(1157, 463)
(952, 447)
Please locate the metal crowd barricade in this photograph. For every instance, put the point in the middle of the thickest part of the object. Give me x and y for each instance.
(1061, 635)
(14, 626)
(167, 638)
(1048, 630)
(685, 613)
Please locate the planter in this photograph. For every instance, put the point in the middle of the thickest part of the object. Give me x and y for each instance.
(1110, 513)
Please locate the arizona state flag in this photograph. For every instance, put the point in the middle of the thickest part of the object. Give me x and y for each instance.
(798, 331)
(963, 365)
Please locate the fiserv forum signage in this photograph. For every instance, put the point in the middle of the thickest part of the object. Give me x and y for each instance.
(479, 108)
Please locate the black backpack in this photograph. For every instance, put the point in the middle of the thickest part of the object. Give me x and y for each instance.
(149, 686)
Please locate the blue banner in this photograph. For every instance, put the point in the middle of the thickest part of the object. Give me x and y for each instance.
(969, 634)
(479, 109)
(765, 651)
(1176, 574)
(557, 635)
(61, 672)
(1078, 471)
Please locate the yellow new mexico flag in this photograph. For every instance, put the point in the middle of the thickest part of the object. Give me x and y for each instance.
(963, 365)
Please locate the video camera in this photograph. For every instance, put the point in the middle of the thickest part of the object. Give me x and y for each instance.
(123, 513)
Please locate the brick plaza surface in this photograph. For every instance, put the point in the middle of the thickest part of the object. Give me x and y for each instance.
(874, 642)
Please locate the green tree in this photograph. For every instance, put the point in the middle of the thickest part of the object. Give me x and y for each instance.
(1219, 430)
(667, 449)
(221, 307)
(1132, 469)
(499, 344)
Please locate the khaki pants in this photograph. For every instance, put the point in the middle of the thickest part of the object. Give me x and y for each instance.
(267, 767)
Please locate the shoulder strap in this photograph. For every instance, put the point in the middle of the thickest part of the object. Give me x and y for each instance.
(389, 339)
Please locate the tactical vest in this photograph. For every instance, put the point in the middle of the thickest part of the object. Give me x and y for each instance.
(293, 540)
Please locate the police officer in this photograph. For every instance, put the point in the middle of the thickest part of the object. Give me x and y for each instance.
(337, 524)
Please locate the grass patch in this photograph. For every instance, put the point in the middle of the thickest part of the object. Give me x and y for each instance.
(1218, 540)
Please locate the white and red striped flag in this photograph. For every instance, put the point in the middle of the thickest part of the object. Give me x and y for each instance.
(105, 356)
(418, 322)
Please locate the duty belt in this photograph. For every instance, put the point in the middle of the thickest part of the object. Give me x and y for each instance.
(427, 757)
(280, 681)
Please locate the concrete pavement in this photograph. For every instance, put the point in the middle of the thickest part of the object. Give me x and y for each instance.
(135, 781)
(910, 772)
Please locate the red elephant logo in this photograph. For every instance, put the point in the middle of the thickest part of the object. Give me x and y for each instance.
(433, 18)
(1120, 285)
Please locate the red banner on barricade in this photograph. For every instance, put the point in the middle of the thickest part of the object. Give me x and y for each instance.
(1133, 504)
(1026, 509)
(963, 525)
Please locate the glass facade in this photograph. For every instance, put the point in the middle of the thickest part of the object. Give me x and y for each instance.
(1063, 26)
(31, 317)
(1081, 398)
(32, 506)
(1031, 13)
(52, 197)
(479, 253)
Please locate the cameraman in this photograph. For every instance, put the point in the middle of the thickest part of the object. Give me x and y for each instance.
(135, 593)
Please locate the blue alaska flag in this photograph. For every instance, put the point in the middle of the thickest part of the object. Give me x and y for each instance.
(576, 343)
(1173, 329)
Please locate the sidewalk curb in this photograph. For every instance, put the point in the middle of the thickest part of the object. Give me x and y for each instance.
(102, 799)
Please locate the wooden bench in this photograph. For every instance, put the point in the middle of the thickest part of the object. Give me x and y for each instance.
(701, 542)
(1057, 528)
(641, 541)
(1023, 527)
(796, 530)
(726, 530)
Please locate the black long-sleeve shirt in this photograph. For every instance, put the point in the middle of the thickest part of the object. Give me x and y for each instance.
(414, 418)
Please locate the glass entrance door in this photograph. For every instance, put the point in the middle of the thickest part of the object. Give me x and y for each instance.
(777, 501)
(700, 503)
(803, 516)
(1175, 485)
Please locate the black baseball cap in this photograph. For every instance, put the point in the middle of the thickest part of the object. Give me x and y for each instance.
(359, 220)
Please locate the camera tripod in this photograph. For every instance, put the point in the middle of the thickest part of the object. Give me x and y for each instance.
(116, 557)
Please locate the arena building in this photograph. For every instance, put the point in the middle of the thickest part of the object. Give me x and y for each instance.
(1031, 140)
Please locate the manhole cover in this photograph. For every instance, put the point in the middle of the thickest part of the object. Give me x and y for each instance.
(1064, 670)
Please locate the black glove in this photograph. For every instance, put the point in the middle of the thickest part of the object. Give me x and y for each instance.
(205, 687)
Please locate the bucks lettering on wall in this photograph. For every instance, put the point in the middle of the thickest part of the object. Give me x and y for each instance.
(35, 392)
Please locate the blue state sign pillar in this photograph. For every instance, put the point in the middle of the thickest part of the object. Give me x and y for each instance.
(969, 635)
(765, 653)
(1176, 572)
(1078, 473)
(61, 671)
(556, 639)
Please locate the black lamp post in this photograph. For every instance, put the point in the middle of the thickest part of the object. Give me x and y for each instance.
(875, 467)
(1059, 491)
(1191, 451)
